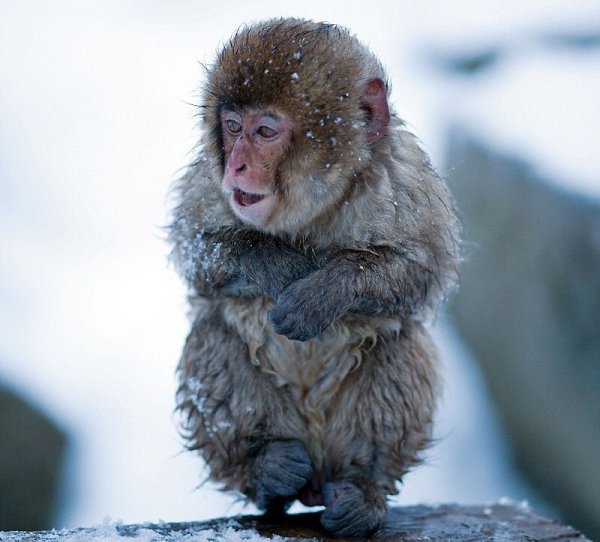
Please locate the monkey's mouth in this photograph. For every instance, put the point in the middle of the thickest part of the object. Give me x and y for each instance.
(250, 207)
(245, 199)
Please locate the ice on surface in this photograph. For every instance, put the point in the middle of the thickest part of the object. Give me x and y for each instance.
(194, 393)
(112, 533)
(197, 254)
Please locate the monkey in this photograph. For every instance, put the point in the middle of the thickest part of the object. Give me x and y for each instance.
(317, 243)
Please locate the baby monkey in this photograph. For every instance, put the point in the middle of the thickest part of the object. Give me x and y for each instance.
(316, 240)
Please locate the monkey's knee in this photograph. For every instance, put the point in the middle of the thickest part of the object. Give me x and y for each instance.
(355, 508)
(282, 469)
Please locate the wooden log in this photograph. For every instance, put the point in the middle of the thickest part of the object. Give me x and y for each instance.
(447, 522)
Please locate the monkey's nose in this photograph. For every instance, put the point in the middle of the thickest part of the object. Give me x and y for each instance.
(241, 168)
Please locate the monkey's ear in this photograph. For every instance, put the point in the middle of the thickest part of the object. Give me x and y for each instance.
(374, 101)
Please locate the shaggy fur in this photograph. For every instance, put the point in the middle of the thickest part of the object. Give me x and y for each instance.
(308, 372)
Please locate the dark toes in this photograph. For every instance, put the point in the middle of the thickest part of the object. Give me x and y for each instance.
(284, 468)
(349, 512)
(295, 324)
(291, 326)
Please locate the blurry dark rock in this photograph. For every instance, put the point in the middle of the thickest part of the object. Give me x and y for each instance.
(472, 59)
(467, 62)
(529, 307)
(579, 40)
(443, 523)
(31, 456)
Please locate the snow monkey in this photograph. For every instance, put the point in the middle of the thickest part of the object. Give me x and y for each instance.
(316, 241)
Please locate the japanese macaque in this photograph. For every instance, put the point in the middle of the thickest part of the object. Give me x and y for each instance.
(316, 241)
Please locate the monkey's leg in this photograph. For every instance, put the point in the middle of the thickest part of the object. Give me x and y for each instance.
(381, 422)
(248, 431)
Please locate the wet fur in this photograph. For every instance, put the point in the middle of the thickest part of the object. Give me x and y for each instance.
(357, 262)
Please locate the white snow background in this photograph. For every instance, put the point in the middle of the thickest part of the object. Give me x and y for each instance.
(95, 120)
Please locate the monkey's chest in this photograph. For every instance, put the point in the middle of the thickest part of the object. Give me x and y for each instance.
(299, 366)
(311, 373)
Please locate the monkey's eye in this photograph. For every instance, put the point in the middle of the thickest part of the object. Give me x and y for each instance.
(266, 132)
(233, 126)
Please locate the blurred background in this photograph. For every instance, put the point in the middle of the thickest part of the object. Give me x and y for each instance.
(95, 122)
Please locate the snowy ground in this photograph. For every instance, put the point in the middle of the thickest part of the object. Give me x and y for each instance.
(109, 532)
(95, 121)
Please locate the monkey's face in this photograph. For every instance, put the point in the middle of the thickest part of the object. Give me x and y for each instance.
(254, 144)
(291, 110)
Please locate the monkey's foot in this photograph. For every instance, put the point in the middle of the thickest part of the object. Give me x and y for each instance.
(354, 510)
(283, 468)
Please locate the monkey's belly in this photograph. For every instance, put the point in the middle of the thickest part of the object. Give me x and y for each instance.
(311, 374)
(302, 365)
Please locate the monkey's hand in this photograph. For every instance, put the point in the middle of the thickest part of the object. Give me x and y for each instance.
(273, 265)
(306, 307)
(378, 281)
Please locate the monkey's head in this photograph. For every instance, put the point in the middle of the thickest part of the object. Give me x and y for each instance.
(292, 109)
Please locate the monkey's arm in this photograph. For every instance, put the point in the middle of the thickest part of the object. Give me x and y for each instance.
(240, 263)
(383, 281)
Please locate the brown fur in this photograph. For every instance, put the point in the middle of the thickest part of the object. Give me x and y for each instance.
(361, 252)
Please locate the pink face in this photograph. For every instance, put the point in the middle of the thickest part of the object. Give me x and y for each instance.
(254, 144)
